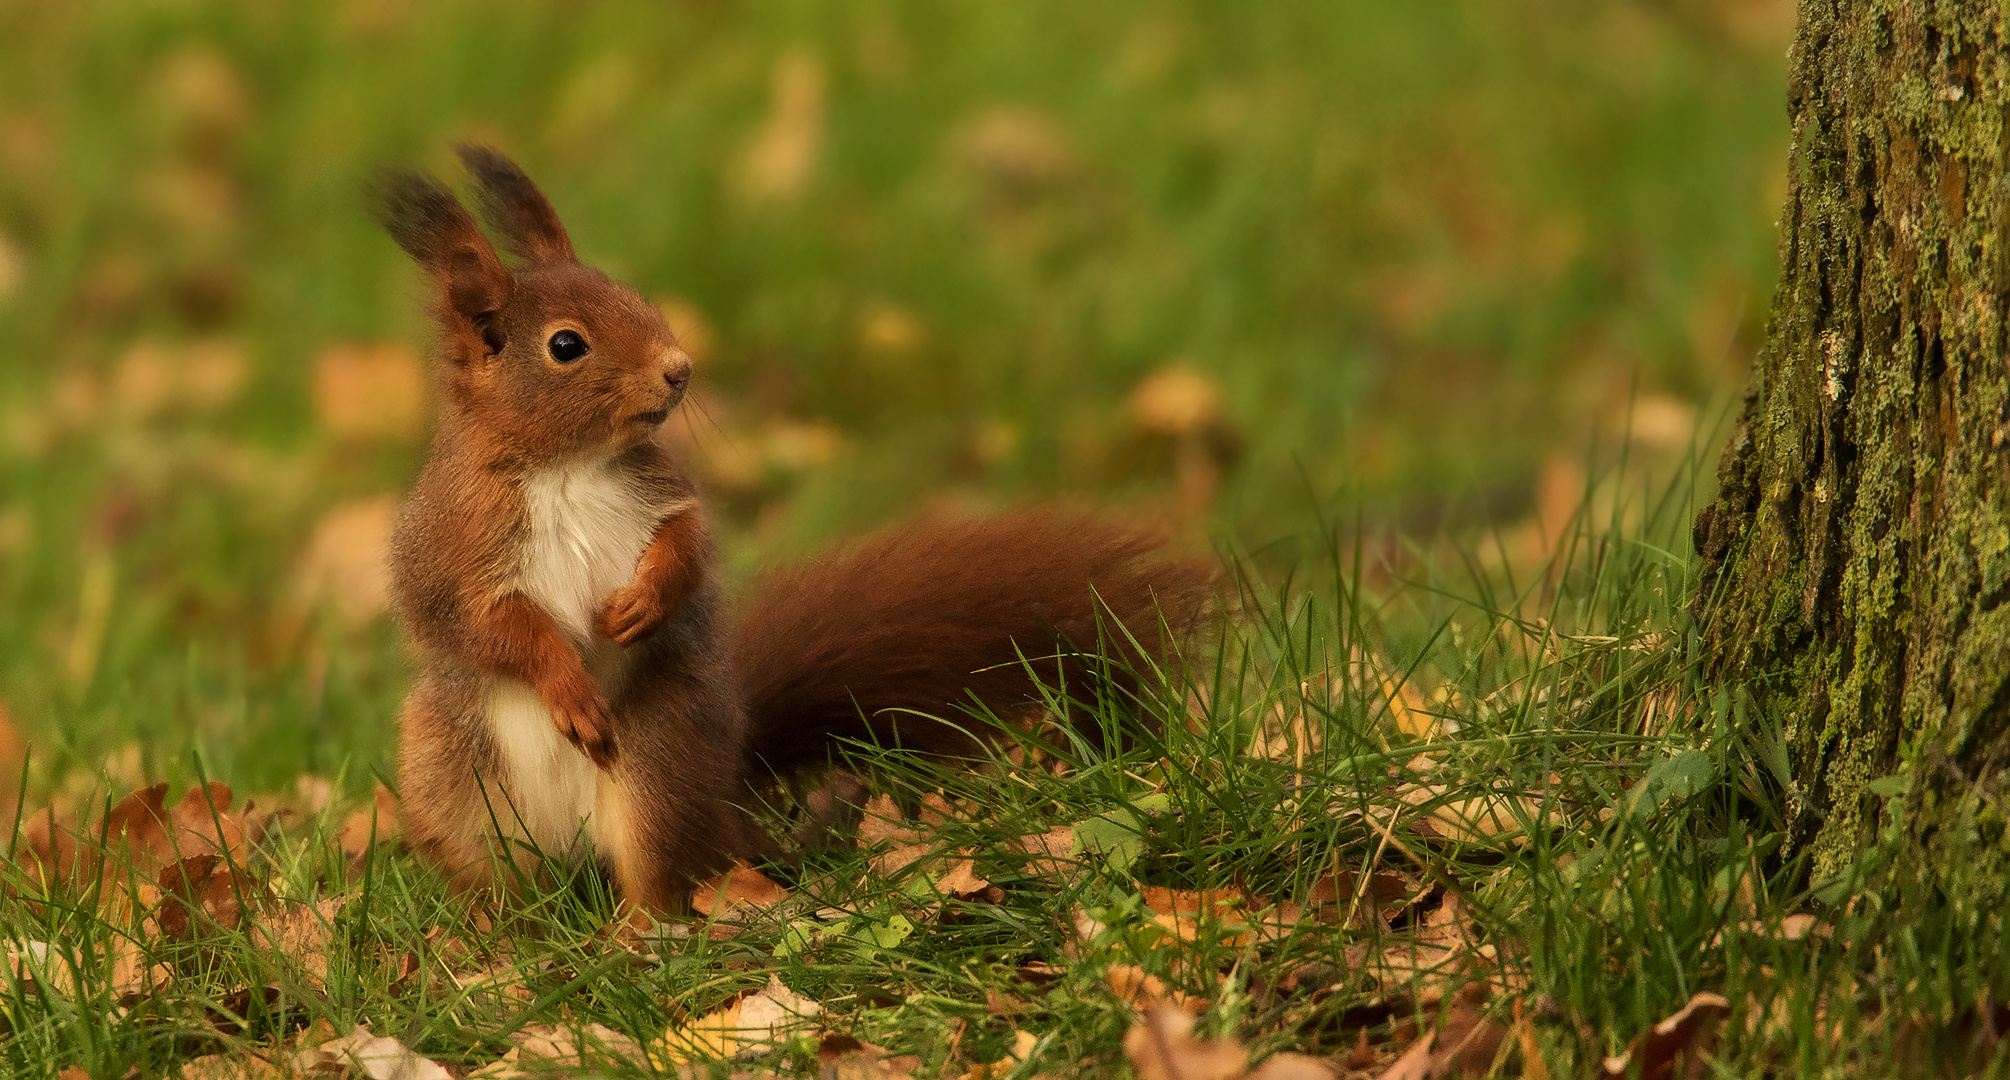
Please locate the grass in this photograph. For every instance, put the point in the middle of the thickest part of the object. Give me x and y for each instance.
(1531, 759)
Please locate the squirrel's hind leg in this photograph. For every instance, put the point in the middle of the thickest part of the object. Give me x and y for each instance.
(661, 845)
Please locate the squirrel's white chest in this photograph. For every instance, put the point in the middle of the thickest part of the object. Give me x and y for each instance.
(585, 529)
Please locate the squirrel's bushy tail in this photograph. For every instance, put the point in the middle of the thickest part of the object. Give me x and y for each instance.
(923, 617)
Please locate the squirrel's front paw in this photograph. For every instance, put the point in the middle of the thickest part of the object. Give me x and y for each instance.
(631, 613)
(585, 721)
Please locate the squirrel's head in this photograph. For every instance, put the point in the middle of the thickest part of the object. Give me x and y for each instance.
(555, 356)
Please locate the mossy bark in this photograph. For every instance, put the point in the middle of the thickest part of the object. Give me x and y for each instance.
(1858, 555)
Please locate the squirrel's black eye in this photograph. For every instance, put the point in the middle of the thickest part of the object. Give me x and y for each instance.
(567, 346)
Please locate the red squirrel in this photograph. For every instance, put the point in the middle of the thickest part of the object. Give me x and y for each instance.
(584, 692)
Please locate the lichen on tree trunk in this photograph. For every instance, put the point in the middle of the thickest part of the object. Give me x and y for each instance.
(1857, 557)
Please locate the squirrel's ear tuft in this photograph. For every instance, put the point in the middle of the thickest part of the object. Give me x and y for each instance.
(443, 238)
(515, 208)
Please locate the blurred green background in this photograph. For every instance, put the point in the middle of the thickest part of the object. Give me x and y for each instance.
(1236, 264)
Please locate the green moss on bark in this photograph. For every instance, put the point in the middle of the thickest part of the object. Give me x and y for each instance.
(1859, 549)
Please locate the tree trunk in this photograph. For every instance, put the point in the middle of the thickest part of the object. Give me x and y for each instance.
(1857, 557)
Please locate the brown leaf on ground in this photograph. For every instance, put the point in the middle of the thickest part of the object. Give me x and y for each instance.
(375, 391)
(303, 932)
(882, 822)
(935, 809)
(893, 861)
(1334, 894)
(202, 894)
(273, 813)
(141, 833)
(203, 824)
(1468, 1044)
(742, 888)
(314, 792)
(1689, 1031)
(1445, 925)
(960, 879)
(360, 1053)
(1050, 853)
(1791, 928)
(154, 835)
(1415, 1064)
(378, 820)
(1489, 817)
(1409, 711)
(13, 756)
(35, 967)
(1175, 400)
(1038, 973)
(548, 1048)
(229, 1067)
(842, 1057)
(134, 974)
(751, 1024)
(49, 853)
(1146, 991)
(1291, 1067)
(1277, 922)
(503, 979)
(1533, 1067)
(346, 566)
(1425, 972)
(1216, 914)
(1023, 1045)
(1161, 1046)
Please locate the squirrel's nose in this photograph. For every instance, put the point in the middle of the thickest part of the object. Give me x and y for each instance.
(677, 369)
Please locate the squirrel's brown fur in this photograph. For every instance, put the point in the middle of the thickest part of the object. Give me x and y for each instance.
(554, 566)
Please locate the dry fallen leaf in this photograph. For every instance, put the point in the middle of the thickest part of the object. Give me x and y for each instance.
(777, 164)
(203, 893)
(1050, 853)
(379, 820)
(228, 1067)
(154, 836)
(547, 1048)
(750, 1025)
(1690, 1030)
(842, 1057)
(1415, 1064)
(893, 861)
(1188, 916)
(374, 1056)
(13, 758)
(1145, 991)
(1013, 149)
(742, 888)
(1175, 399)
(1161, 1046)
(1023, 1045)
(1291, 1067)
(346, 566)
(303, 932)
(49, 852)
(373, 391)
(960, 879)
(1468, 1044)
(501, 979)
(1533, 1067)
(882, 822)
